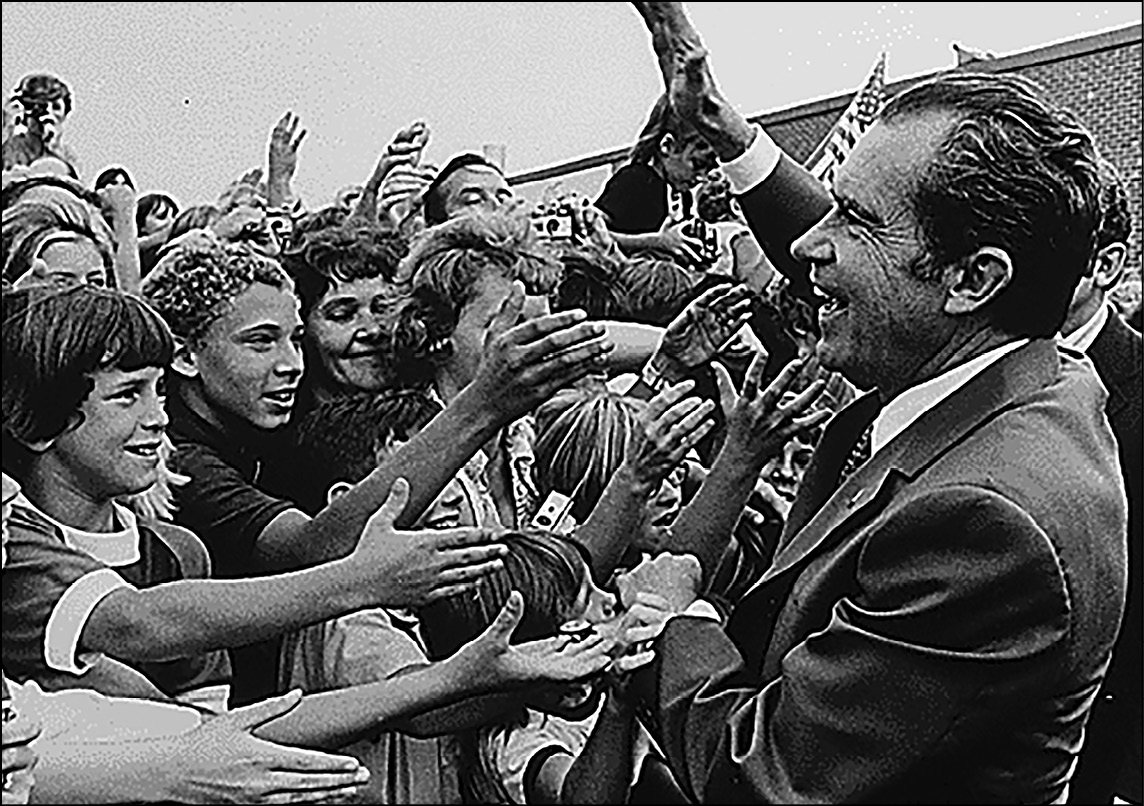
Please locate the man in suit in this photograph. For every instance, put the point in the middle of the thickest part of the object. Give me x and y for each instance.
(1110, 762)
(937, 621)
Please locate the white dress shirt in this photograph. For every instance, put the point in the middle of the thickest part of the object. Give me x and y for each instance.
(911, 404)
(1082, 338)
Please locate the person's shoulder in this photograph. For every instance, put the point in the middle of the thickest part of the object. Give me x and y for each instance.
(28, 523)
(189, 550)
(635, 174)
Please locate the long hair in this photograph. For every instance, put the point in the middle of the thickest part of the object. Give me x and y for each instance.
(549, 571)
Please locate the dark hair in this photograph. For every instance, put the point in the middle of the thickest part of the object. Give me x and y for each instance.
(341, 254)
(656, 290)
(342, 435)
(1115, 217)
(434, 201)
(28, 226)
(109, 175)
(39, 88)
(1016, 172)
(312, 222)
(53, 340)
(151, 203)
(591, 283)
(449, 259)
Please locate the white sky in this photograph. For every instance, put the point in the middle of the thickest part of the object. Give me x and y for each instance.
(184, 95)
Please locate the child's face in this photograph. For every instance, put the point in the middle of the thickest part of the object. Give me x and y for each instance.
(250, 361)
(576, 701)
(115, 449)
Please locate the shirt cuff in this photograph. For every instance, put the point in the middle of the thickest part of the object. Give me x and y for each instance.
(754, 165)
(69, 617)
(701, 608)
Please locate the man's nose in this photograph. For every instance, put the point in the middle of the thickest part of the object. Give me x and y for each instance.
(813, 247)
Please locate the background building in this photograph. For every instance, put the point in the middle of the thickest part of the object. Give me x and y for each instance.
(1098, 76)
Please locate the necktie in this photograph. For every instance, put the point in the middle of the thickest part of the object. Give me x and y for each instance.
(858, 455)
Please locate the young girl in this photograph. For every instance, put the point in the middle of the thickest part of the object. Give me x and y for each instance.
(563, 745)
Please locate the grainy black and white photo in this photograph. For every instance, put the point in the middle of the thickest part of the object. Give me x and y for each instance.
(572, 403)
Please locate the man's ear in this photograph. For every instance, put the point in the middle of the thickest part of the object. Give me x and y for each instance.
(184, 361)
(978, 280)
(1108, 266)
(667, 144)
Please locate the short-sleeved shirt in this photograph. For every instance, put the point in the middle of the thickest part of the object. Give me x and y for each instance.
(366, 647)
(57, 575)
(224, 504)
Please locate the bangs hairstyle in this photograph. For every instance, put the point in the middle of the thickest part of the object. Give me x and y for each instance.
(108, 175)
(449, 259)
(1014, 172)
(548, 570)
(341, 254)
(582, 438)
(55, 339)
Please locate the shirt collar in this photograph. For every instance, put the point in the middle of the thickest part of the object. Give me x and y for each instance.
(1082, 338)
(900, 412)
(113, 549)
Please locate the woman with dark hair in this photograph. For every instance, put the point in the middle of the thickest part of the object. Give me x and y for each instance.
(648, 201)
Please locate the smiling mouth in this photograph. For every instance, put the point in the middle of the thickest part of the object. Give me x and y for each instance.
(829, 302)
(148, 451)
(450, 521)
(283, 398)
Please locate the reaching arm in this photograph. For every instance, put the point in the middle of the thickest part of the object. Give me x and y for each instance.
(522, 366)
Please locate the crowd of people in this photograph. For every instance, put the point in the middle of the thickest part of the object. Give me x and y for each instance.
(723, 486)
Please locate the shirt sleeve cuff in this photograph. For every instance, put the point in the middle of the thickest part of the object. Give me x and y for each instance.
(701, 608)
(69, 617)
(754, 165)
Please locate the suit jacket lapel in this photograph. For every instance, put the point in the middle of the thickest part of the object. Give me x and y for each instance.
(1015, 375)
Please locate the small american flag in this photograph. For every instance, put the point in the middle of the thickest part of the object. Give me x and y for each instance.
(857, 118)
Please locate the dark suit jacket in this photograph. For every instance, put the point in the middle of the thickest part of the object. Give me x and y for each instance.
(936, 629)
(1110, 761)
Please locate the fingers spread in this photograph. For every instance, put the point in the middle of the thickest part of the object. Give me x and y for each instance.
(392, 508)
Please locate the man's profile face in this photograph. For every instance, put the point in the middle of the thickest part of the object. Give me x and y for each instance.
(879, 322)
(474, 188)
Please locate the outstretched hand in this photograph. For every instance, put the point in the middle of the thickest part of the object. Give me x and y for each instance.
(760, 423)
(491, 663)
(412, 568)
(222, 761)
(525, 364)
(705, 325)
(670, 426)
